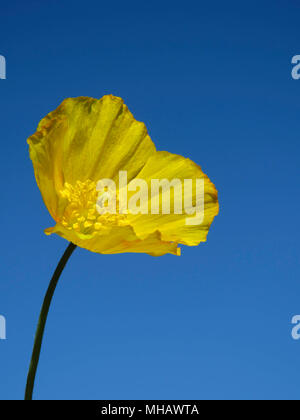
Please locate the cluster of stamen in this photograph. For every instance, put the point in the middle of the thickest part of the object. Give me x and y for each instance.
(81, 214)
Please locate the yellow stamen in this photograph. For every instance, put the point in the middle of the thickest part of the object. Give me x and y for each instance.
(80, 213)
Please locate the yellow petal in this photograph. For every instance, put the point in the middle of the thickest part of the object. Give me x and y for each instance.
(117, 240)
(83, 139)
(174, 227)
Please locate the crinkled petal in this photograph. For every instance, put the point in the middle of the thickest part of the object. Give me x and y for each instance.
(118, 240)
(174, 227)
(86, 138)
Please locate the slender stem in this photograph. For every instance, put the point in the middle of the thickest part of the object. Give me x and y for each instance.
(42, 321)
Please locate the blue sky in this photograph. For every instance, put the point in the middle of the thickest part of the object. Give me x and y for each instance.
(212, 81)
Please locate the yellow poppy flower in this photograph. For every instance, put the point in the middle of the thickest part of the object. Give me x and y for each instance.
(85, 140)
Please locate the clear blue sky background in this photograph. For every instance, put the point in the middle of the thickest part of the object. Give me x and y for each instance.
(212, 81)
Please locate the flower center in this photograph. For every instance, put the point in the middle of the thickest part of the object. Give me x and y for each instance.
(81, 214)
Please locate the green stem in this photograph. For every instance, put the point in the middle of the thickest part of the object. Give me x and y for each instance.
(42, 321)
